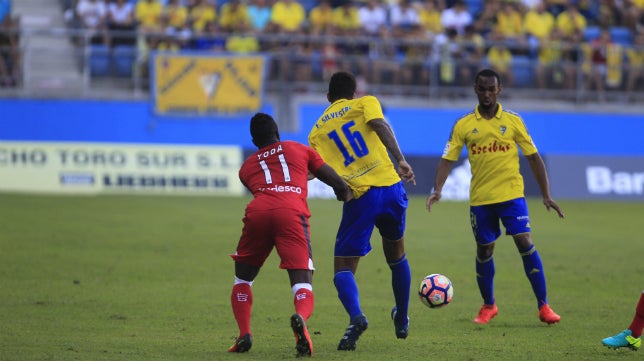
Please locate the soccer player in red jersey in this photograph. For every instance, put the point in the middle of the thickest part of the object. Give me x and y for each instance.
(493, 137)
(632, 336)
(278, 216)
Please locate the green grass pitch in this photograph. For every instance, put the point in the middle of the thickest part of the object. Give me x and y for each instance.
(149, 278)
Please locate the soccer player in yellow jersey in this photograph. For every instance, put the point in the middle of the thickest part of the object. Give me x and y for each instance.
(493, 137)
(353, 137)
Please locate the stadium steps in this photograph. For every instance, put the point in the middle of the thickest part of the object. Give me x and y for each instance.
(49, 60)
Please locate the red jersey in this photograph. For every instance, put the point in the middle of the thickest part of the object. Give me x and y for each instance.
(277, 176)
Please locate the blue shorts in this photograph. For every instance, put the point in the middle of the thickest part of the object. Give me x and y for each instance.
(382, 207)
(485, 220)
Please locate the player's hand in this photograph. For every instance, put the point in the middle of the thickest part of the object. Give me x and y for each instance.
(551, 204)
(406, 173)
(345, 196)
(433, 198)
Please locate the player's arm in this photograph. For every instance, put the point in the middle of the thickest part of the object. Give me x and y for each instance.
(442, 172)
(327, 175)
(387, 137)
(540, 174)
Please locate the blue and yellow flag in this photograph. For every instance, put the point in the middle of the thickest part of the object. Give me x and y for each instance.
(191, 84)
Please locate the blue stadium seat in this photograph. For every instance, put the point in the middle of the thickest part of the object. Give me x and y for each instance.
(591, 33)
(308, 5)
(99, 60)
(474, 7)
(123, 58)
(523, 71)
(621, 35)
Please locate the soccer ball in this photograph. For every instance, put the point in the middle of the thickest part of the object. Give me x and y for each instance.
(435, 290)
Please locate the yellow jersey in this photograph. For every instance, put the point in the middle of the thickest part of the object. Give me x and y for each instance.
(493, 151)
(500, 58)
(289, 16)
(344, 139)
(149, 13)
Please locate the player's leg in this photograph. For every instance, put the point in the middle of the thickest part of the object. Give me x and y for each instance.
(347, 287)
(352, 242)
(516, 220)
(241, 300)
(486, 229)
(637, 325)
(632, 336)
(301, 284)
(255, 244)
(293, 244)
(400, 282)
(391, 222)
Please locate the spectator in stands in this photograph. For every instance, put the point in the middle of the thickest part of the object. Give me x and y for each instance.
(234, 17)
(632, 14)
(430, 18)
(385, 62)
(472, 54)
(165, 43)
(446, 54)
(304, 63)
(552, 70)
(373, 19)
(571, 23)
(202, 13)
(121, 23)
(345, 20)
(148, 14)
(509, 28)
(635, 68)
(259, 13)
(354, 57)
(242, 40)
(211, 38)
(609, 13)
(499, 57)
(404, 19)
(330, 57)
(321, 19)
(413, 60)
(288, 17)
(9, 47)
(602, 63)
(486, 21)
(539, 25)
(457, 17)
(556, 7)
(93, 15)
(174, 17)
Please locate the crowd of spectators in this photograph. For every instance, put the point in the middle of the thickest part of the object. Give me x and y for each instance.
(408, 42)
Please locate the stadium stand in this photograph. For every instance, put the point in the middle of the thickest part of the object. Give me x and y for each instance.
(111, 62)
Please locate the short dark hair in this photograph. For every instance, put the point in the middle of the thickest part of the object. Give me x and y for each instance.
(263, 129)
(342, 85)
(486, 73)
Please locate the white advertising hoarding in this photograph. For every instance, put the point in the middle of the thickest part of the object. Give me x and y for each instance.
(114, 167)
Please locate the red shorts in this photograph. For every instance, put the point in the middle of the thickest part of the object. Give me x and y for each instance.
(286, 229)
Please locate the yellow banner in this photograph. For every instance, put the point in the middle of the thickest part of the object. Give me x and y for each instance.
(207, 85)
(106, 167)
